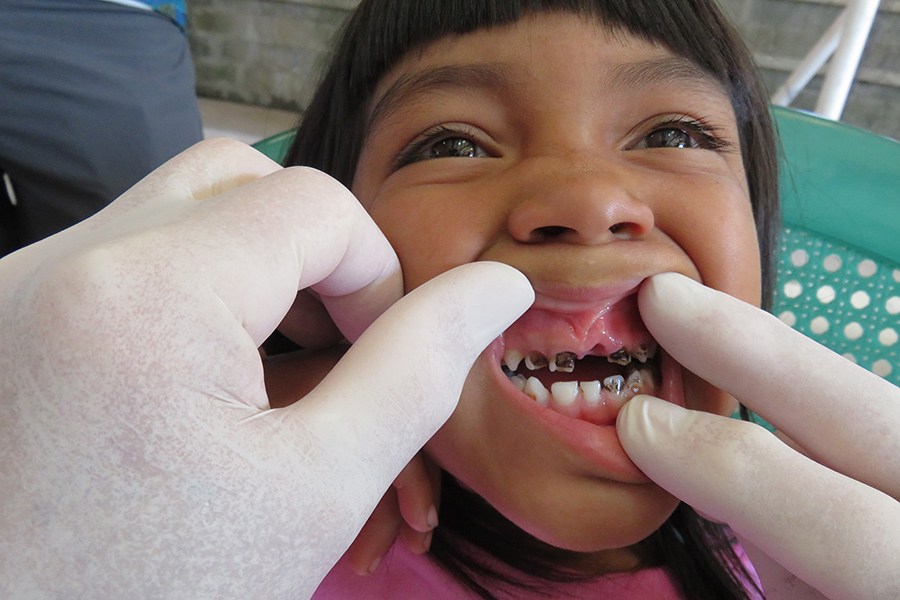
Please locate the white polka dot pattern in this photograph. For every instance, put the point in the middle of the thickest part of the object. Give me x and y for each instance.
(842, 298)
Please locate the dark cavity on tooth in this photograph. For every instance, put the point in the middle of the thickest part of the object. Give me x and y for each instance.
(642, 353)
(536, 360)
(620, 357)
(614, 384)
(565, 362)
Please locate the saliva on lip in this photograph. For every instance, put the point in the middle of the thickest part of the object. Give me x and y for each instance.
(598, 398)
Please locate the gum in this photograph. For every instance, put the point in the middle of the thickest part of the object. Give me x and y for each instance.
(600, 332)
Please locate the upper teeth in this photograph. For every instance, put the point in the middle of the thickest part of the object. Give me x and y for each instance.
(620, 357)
(565, 361)
(535, 360)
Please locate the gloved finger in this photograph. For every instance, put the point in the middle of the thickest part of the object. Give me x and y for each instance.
(394, 388)
(826, 528)
(292, 229)
(841, 414)
(205, 170)
(283, 230)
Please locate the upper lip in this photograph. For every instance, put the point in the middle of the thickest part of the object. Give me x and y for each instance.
(580, 322)
(567, 299)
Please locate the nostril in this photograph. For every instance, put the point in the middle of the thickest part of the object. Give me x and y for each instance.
(625, 230)
(550, 232)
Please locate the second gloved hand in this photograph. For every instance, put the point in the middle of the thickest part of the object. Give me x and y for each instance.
(821, 521)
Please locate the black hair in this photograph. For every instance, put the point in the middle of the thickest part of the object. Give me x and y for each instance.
(700, 555)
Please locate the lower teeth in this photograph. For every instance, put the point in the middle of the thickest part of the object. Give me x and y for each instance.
(614, 384)
(616, 388)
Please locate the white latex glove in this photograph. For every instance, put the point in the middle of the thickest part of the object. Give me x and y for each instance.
(831, 520)
(138, 455)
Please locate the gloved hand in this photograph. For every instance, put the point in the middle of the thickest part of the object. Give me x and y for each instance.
(822, 521)
(139, 457)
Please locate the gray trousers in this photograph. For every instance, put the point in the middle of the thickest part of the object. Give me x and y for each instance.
(93, 96)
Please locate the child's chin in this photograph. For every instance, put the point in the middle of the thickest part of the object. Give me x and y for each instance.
(610, 528)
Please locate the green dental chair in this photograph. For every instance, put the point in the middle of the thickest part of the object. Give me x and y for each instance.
(839, 259)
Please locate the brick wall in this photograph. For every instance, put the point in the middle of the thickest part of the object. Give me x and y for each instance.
(262, 52)
(268, 52)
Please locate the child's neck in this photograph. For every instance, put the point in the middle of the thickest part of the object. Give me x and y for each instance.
(608, 561)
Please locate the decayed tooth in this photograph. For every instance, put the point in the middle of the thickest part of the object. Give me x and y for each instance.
(641, 353)
(518, 381)
(614, 384)
(590, 391)
(644, 351)
(565, 362)
(564, 392)
(620, 357)
(634, 383)
(537, 391)
(535, 360)
(512, 358)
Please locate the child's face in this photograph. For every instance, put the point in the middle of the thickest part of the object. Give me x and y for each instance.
(552, 146)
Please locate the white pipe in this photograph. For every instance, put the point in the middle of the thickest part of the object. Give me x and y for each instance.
(842, 69)
(811, 63)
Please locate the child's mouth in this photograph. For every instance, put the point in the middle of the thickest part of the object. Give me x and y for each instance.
(591, 387)
(587, 365)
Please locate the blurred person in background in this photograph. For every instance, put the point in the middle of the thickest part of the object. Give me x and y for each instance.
(94, 95)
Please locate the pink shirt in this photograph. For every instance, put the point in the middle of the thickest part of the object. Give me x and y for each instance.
(403, 575)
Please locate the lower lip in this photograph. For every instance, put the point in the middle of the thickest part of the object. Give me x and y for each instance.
(597, 446)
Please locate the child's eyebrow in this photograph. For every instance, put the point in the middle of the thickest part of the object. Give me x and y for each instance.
(489, 76)
(668, 70)
(672, 70)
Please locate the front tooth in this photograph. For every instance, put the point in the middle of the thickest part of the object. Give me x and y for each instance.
(535, 360)
(620, 357)
(590, 391)
(564, 392)
(614, 384)
(512, 358)
(537, 391)
(565, 362)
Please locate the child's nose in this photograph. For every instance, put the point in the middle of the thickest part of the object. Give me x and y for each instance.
(587, 203)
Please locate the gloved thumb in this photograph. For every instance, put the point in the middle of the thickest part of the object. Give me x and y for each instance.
(393, 389)
(402, 378)
(819, 525)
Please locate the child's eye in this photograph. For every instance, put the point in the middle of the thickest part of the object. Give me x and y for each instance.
(670, 138)
(441, 142)
(683, 133)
